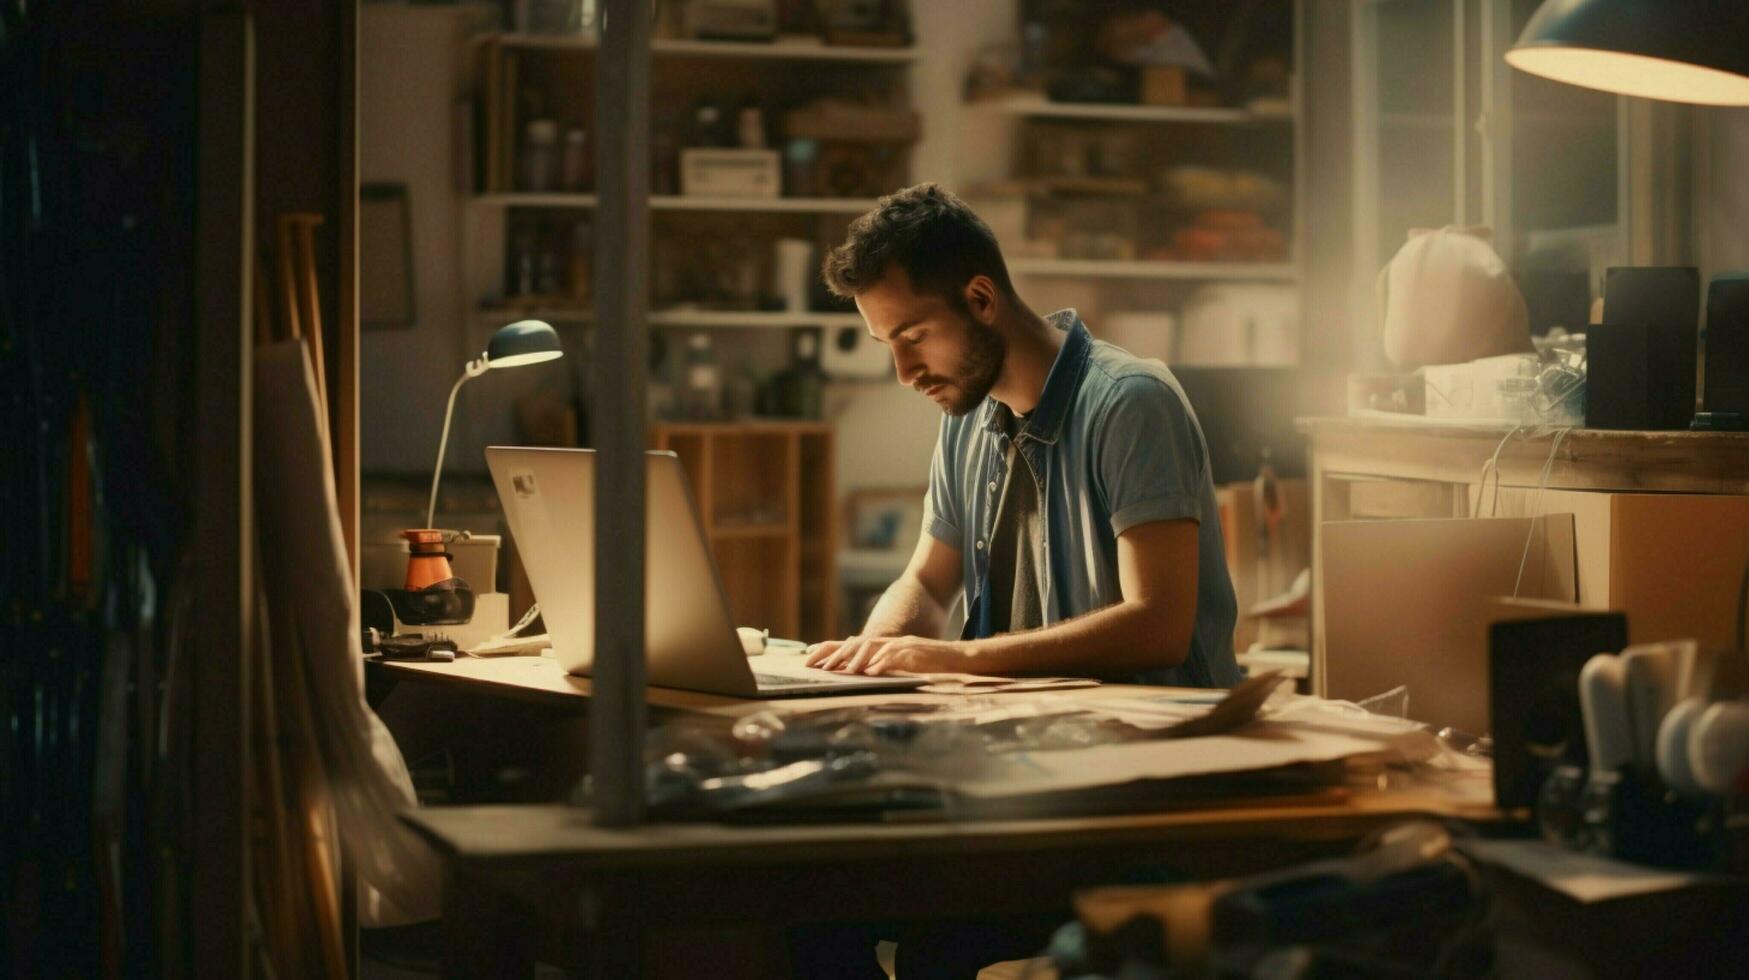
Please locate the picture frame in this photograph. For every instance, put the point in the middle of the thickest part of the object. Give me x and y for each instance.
(885, 519)
(385, 254)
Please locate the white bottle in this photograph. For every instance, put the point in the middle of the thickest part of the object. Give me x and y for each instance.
(701, 382)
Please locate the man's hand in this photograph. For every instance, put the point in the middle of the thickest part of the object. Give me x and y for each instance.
(892, 655)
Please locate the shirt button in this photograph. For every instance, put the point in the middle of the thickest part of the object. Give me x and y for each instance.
(980, 546)
(992, 486)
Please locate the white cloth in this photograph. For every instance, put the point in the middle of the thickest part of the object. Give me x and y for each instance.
(311, 598)
(1447, 298)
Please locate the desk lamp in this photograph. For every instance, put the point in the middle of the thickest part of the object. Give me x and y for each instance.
(1675, 50)
(520, 343)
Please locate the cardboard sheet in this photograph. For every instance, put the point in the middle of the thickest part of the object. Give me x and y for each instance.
(1583, 877)
(1409, 602)
(1671, 561)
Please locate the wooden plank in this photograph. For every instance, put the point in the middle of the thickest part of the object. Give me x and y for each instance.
(1589, 459)
(542, 680)
(616, 407)
(792, 560)
(826, 533)
(554, 833)
(224, 532)
(1381, 499)
(343, 397)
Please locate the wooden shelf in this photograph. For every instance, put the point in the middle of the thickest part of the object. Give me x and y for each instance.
(680, 202)
(1118, 269)
(722, 319)
(782, 49)
(734, 531)
(761, 468)
(751, 318)
(1039, 106)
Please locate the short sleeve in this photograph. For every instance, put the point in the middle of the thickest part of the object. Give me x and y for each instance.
(1149, 456)
(941, 506)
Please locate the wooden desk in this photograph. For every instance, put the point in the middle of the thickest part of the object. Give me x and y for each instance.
(540, 680)
(605, 892)
(517, 873)
(1411, 467)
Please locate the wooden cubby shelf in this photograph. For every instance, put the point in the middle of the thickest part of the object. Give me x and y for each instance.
(765, 492)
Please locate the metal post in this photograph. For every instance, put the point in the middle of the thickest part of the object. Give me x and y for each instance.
(616, 408)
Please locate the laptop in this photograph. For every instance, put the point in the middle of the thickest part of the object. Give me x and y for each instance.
(689, 637)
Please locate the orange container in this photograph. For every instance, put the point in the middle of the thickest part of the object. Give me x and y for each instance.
(427, 558)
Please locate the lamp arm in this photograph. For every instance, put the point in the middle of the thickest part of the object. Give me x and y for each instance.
(474, 369)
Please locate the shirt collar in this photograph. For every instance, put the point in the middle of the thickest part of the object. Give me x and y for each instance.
(1046, 421)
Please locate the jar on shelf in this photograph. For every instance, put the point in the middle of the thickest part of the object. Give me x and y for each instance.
(750, 126)
(701, 379)
(799, 157)
(540, 154)
(574, 160)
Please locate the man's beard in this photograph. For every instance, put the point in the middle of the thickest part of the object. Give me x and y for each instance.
(976, 374)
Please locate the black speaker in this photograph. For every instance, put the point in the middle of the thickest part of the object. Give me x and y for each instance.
(1725, 391)
(1642, 359)
(1533, 696)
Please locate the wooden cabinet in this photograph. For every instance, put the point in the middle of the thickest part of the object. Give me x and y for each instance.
(765, 493)
(1661, 522)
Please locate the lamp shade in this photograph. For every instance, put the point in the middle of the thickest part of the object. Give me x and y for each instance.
(523, 342)
(1677, 50)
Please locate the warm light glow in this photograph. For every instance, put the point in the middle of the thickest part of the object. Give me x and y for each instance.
(518, 360)
(1633, 74)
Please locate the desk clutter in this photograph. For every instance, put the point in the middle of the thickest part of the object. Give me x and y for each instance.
(1406, 903)
(1024, 755)
(1664, 776)
(1457, 320)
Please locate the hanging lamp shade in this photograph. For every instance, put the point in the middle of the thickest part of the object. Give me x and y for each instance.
(1676, 50)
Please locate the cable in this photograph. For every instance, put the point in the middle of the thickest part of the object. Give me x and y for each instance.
(1542, 484)
(1493, 466)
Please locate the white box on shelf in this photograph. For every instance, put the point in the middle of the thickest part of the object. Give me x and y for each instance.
(1472, 390)
(1144, 333)
(1233, 324)
(714, 172)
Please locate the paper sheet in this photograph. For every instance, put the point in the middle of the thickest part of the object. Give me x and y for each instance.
(1264, 745)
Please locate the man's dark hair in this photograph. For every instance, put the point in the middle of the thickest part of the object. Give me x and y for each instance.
(931, 234)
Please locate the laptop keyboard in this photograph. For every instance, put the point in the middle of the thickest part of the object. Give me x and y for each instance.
(784, 680)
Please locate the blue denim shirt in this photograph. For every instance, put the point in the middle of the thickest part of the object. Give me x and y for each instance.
(1115, 444)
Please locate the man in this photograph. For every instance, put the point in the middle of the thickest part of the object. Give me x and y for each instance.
(1070, 499)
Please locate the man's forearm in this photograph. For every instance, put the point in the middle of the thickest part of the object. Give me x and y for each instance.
(1121, 638)
(906, 609)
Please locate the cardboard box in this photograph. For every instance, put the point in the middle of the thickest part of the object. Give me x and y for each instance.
(1671, 561)
(710, 172)
(1409, 603)
(1165, 86)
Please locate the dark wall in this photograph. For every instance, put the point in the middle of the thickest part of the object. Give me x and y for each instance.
(97, 184)
(299, 133)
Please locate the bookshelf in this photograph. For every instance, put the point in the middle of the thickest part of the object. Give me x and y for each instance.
(1039, 106)
(1192, 271)
(784, 48)
(677, 202)
(1179, 216)
(765, 493)
(713, 254)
